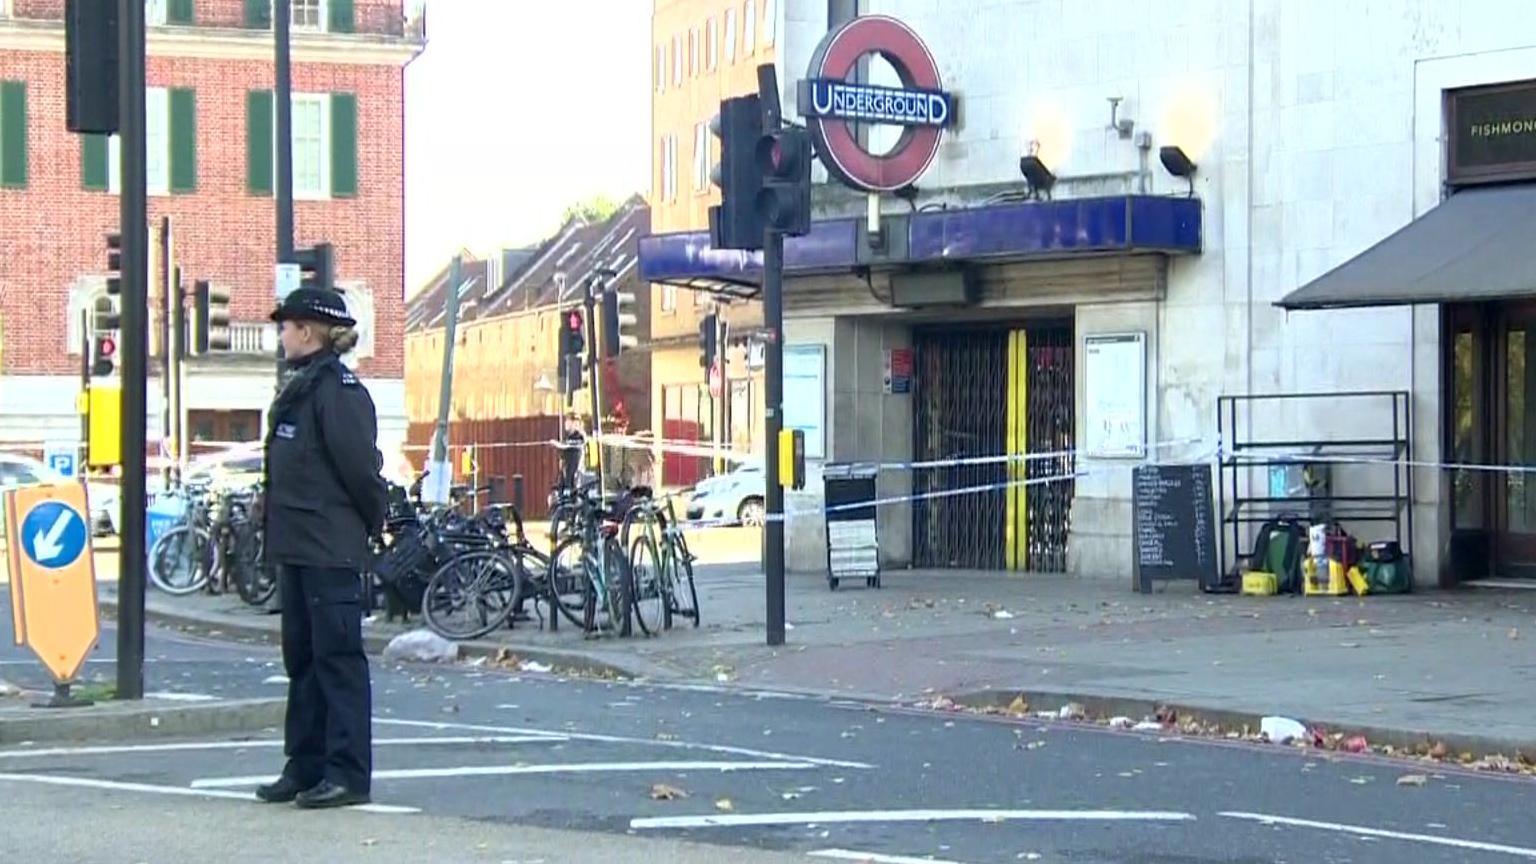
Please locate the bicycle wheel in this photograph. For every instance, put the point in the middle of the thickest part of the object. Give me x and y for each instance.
(181, 561)
(650, 590)
(568, 586)
(683, 597)
(620, 582)
(254, 580)
(471, 594)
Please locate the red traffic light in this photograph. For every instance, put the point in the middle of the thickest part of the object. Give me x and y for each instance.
(573, 321)
(106, 346)
(784, 154)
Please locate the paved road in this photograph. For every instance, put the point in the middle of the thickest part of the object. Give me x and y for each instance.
(819, 778)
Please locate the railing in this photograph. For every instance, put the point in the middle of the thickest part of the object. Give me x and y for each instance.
(252, 339)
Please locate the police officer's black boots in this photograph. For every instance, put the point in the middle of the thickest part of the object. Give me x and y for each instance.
(327, 794)
(281, 791)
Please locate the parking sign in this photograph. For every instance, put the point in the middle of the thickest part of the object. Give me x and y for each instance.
(62, 457)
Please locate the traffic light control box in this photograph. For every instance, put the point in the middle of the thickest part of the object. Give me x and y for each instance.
(104, 408)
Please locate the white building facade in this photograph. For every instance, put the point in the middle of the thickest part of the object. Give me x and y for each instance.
(1317, 129)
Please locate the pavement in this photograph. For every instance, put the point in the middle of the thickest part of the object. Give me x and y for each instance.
(1455, 666)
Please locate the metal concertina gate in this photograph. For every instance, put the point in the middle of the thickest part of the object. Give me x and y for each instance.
(985, 393)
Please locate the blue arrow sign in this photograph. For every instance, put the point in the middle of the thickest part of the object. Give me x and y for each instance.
(53, 534)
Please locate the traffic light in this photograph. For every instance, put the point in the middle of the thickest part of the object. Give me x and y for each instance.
(90, 66)
(317, 266)
(573, 344)
(103, 355)
(734, 224)
(114, 264)
(618, 321)
(709, 327)
(210, 318)
(784, 202)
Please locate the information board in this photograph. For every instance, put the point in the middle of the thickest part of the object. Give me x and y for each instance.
(1174, 529)
(1115, 392)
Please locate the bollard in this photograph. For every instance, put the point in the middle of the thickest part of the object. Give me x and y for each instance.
(517, 492)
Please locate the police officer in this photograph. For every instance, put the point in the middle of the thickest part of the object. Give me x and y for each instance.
(325, 499)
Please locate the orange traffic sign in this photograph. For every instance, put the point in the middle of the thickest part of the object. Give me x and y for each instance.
(53, 575)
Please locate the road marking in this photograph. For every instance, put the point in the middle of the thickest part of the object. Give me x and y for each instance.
(507, 770)
(1361, 831)
(181, 697)
(875, 857)
(241, 745)
(116, 786)
(620, 739)
(832, 817)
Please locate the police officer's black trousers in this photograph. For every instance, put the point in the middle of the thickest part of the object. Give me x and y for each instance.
(328, 733)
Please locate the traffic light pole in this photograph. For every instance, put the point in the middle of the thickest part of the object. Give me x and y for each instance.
(135, 332)
(282, 25)
(773, 383)
(595, 386)
(85, 387)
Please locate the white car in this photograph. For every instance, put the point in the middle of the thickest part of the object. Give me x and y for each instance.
(17, 470)
(738, 496)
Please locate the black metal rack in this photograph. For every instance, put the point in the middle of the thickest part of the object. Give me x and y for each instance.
(1241, 451)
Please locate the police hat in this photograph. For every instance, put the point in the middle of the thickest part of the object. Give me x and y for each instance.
(314, 304)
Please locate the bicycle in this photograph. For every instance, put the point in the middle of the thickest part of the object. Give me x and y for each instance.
(591, 560)
(660, 561)
(181, 560)
(487, 582)
(255, 580)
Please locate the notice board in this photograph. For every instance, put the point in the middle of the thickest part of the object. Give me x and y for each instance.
(1174, 531)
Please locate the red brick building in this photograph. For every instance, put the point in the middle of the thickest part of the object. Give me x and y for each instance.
(209, 136)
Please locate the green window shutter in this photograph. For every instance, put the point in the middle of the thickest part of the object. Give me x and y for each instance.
(94, 170)
(258, 141)
(258, 14)
(343, 145)
(341, 17)
(13, 133)
(178, 12)
(183, 129)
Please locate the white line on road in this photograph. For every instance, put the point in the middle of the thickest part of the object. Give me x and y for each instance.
(116, 786)
(241, 745)
(181, 697)
(832, 817)
(875, 857)
(507, 770)
(620, 739)
(1361, 831)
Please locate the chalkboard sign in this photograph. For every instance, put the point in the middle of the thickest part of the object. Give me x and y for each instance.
(1175, 531)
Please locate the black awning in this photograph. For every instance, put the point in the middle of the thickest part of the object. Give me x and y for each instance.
(1477, 245)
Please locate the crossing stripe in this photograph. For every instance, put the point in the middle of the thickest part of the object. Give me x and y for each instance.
(507, 770)
(1362, 831)
(117, 786)
(182, 746)
(830, 817)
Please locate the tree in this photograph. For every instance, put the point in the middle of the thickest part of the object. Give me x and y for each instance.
(595, 209)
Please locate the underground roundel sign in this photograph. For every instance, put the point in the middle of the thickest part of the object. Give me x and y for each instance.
(834, 104)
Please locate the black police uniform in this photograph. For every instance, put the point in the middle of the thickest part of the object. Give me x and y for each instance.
(325, 499)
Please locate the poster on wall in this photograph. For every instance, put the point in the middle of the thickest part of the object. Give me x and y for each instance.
(898, 370)
(805, 395)
(1115, 396)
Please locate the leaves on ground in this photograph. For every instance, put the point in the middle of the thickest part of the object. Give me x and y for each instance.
(663, 792)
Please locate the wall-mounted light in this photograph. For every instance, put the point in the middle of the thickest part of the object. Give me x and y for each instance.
(1178, 164)
(1039, 177)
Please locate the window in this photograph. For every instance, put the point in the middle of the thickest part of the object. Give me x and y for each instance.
(661, 68)
(324, 144)
(770, 21)
(154, 13)
(157, 146)
(749, 28)
(308, 14)
(711, 45)
(677, 60)
(668, 298)
(693, 52)
(730, 35)
(360, 305)
(700, 158)
(668, 190)
(311, 147)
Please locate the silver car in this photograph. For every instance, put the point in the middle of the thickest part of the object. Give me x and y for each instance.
(736, 497)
